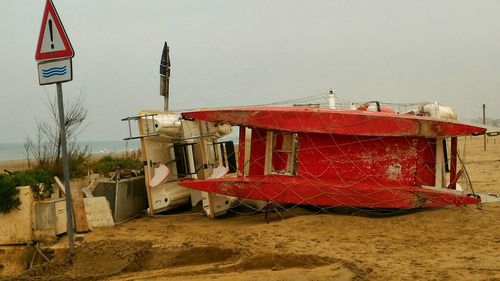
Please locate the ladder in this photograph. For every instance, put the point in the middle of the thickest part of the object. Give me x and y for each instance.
(146, 118)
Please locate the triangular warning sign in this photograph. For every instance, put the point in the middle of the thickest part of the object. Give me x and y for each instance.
(53, 42)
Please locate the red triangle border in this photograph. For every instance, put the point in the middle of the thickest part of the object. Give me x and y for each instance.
(68, 52)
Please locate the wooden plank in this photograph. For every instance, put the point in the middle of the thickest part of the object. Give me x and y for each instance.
(290, 142)
(89, 189)
(80, 217)
(269, 153)
(440, 182)
(248, 151)
(60, 185)
(87, 193)
(93, 184)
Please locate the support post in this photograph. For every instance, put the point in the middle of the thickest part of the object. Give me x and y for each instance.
(69, 201)
(241, 152)
(248, 151)
(440, 179)
(268, 163)
(453, 163)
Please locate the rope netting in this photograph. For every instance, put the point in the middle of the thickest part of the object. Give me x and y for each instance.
(321, 101)
(317, 179)
(366, 173)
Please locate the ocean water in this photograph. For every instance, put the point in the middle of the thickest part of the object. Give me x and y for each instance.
(16, 151)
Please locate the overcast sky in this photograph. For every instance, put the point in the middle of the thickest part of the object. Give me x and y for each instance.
(228, 52)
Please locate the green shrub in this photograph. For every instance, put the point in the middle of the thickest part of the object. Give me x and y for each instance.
(109, 164)
(78, 160)
(8, 194)
(40, 182)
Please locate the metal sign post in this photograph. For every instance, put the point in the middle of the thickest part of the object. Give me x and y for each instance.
(53, 54)
(69, 199)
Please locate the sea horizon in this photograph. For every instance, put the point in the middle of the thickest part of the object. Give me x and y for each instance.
(15, 151)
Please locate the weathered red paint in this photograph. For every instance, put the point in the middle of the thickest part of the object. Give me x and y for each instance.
(355, 158)
(258, 152)
(344, 158)
(341, 122)
(331, 193)
(426, 162)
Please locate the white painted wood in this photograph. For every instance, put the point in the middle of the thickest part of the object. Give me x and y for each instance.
(248, 151)
(92, 185)
(269, 153)
(440, 172)
(49, 219)
(60, 209)
(60, 185)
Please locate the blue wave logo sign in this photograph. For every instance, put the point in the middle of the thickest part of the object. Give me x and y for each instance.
(54, 71)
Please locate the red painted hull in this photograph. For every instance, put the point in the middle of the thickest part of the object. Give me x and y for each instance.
(340, 122)
(307, 191)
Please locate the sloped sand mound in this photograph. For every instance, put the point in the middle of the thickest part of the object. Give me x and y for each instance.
(129, 259)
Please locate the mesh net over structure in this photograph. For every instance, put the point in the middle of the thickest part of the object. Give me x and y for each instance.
(392, 172)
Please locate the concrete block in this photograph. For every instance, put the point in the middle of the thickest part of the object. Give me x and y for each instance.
(98, 212)
(15, 226)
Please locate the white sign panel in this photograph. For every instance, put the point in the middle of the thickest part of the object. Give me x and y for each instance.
(55, 72)
(52, 39)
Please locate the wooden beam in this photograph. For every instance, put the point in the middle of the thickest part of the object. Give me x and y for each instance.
(248, 151)
(93, 184)
(60, 185)
(241, 152)
(440, 176)
(268, 164)
(89, 189)
(80, 216)
(292, 156)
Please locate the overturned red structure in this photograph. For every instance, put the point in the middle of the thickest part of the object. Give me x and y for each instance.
(352, 158)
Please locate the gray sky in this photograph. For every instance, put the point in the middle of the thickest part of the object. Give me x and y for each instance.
(228, 52)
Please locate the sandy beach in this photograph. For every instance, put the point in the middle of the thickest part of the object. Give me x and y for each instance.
(21, 165)
(13, 165)
(445, 244)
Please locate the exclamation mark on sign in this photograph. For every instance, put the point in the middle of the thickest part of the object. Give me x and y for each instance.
(51, 35)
